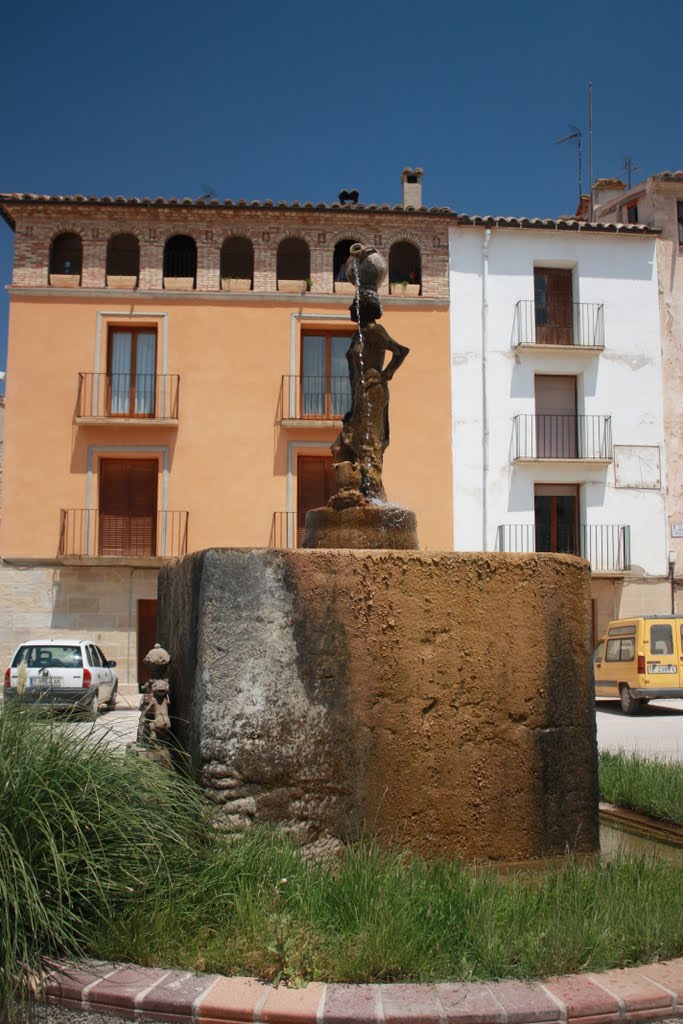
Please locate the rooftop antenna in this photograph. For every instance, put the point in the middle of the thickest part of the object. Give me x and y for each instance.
(590, 147)
(629, 168)
(575, 135)
(208, 192)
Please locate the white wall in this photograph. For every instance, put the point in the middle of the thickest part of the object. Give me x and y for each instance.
(623, 381)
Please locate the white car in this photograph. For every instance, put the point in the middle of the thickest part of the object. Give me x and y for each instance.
(62, 673)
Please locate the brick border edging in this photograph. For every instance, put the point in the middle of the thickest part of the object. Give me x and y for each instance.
(651, 992)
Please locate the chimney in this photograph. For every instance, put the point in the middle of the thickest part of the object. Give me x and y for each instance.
(411, 180)
(605, 191)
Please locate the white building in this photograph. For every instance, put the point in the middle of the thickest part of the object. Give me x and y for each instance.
(557, 400)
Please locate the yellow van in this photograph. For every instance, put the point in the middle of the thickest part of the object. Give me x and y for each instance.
(640, 659)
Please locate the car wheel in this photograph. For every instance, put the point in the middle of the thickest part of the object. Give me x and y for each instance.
(111, 703)
(93, 705)
(630, 705)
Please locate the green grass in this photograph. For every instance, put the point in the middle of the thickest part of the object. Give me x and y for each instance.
(379, 916)
(111, 857)
(650, 785)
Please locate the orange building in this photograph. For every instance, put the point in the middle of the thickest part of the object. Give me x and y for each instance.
(176, 375)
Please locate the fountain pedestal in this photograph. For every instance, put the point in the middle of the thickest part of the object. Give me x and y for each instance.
(361, 526)
(439, 701)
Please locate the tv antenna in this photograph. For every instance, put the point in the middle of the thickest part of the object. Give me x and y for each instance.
(629, 168)
(208, 192)
(575, 135)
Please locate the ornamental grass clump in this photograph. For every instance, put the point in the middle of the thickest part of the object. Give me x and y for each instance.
(84, 834)
(651, 785)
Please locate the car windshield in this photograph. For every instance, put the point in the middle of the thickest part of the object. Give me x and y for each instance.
(49, 656)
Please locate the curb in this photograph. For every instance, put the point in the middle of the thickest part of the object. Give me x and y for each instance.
(641, 824)
(652, 992)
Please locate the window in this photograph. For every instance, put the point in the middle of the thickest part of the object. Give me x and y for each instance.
(661, 640)
(66, 254)
(405, 265)
(131, 371)
(123, 256)
(599, 651)
(325, 389)
(293, 261)
(556, 518)
(237, 259)
(553, 306)
(341, 255)
(180, 258)
(679, 216)
(621, 650)
(632, 213)
(316, 483)
(128, 507)
(556, 420)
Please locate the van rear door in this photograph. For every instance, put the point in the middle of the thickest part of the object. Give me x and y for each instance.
(663, 656)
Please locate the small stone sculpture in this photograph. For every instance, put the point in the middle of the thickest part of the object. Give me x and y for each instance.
(155, 721)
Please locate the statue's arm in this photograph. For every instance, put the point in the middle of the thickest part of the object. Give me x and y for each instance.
(398, 354)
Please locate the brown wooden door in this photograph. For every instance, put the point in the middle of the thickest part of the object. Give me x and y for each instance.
(556, 420)
(553, 305)
(147, 634)
(316, 484)
(128, 507)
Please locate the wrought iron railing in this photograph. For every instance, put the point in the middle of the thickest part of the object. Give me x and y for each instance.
(284, 532)
(94, 533)
(607, 548)
(570, 323)
(313, 398)
(128, 395)
(551, 436)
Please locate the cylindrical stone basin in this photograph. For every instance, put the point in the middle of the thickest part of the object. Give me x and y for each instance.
(439, 701)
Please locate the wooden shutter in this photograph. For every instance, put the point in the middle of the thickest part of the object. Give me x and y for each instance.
(316, 483)
(554, 309)
(556, 421)
(128, 500)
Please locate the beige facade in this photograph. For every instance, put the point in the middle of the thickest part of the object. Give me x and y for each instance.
(211, 434)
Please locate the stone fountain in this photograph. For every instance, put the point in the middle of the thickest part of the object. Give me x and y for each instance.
(438, 700)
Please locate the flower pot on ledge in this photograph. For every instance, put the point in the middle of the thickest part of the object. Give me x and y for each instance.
(122, 281)
(236, 284)
(65, 280)
(402, 289)
(292, 286)
(179, 284)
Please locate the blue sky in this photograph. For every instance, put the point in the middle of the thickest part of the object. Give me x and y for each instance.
(261, 99)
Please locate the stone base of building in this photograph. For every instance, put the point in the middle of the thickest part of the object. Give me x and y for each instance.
(368, 527)
(440, 701)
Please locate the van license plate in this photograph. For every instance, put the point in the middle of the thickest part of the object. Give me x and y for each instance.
(661, 669)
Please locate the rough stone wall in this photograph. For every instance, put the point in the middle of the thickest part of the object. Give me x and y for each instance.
(443, 701)
(38, 225)
(91, 601)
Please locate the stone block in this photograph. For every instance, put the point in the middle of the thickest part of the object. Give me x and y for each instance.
(408, 695)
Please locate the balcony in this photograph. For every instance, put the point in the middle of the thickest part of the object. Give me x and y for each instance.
(90, 533)
(562, 438)
(313, 401)
(579, 325)
(607, 548)
(128, 399)
(284, 531)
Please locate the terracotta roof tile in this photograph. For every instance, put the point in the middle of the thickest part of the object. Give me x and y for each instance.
(476, 220)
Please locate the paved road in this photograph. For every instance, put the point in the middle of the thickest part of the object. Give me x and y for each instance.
(657, 730)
